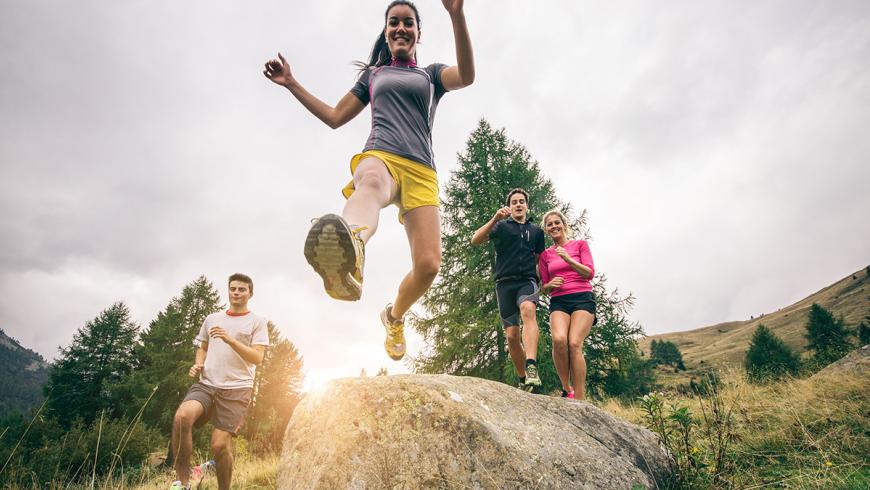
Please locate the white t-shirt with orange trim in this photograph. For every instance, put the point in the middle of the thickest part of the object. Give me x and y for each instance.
(224, 367)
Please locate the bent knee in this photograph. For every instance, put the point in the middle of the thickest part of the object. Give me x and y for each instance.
(527, 308)
(428, 267)
(370, 180)
(560, 342)
(183, 418)
(219, 448)
(576, 345)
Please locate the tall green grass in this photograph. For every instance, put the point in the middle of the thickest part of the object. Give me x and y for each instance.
(809, 433)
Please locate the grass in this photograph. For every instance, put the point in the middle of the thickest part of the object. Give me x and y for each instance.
(249, 472)
(803, 433)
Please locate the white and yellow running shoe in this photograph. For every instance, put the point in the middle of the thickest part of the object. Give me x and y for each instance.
(395, 341)
(337, 254)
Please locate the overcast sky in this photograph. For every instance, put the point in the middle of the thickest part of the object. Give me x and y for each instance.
(720, 148)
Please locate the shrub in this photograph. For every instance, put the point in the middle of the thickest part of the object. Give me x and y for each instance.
(827, 337)
(768, 358)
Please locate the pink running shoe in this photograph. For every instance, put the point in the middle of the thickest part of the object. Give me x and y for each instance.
(570, 395)
(196, 474)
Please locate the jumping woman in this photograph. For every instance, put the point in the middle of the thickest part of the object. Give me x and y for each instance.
(566, 269)
(396, 165)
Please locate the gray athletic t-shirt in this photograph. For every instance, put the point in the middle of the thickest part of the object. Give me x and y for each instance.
(403, 109)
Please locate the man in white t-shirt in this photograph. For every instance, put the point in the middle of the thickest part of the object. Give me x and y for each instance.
(230, 345)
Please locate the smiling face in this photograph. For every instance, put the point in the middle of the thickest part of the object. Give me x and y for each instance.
(555, 227)
(402, 32)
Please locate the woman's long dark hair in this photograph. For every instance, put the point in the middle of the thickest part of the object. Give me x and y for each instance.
(380, 51)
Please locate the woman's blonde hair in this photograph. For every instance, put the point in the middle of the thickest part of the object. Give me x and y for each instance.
(561, 217)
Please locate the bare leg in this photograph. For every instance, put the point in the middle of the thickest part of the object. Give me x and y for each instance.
(530, 329)
(581, 324)
(222, 448)
(515, 349)
(182, 437)
(423, 227)
(374, 190)
(559, 330)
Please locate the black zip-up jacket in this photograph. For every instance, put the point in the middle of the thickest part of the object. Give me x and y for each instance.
(516, 248)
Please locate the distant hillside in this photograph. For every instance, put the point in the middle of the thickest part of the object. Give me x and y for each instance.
(23, 373)
(725, 344)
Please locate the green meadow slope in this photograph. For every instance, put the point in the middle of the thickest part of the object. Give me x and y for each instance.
(724, 345)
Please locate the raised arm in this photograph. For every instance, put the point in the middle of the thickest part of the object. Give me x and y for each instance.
(278, 71)
(481, 236)
(461, 75)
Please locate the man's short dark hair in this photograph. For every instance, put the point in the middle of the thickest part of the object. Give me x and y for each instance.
(516, 190)
(241, 278)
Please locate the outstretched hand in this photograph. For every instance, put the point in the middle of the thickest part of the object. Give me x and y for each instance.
(453, 6)
(278, 71)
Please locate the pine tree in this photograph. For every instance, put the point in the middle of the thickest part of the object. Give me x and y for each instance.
(82, 381)
(864, 332)
(654, 349)
(827, 337)
(768, 357)
(277, 390)
(165, 353)
(462, 326)
(667, 353)
(612, 356)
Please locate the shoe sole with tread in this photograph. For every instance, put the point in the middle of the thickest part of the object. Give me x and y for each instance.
(329, 248)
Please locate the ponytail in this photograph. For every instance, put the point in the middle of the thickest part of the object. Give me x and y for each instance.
(380, 54)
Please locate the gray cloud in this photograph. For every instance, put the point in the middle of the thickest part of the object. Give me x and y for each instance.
(719, 148)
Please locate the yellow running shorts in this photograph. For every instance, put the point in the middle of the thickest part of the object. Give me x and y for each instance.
(417, 183)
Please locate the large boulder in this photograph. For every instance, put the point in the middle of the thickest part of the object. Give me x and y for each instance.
(440, 431)
(856, 362)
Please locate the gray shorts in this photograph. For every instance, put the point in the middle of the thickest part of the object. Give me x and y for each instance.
(510, 293)
(225, 407)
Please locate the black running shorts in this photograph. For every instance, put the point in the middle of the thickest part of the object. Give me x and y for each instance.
(510, 293)
(569, 303)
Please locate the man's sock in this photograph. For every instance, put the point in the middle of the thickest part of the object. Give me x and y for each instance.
(531, 362)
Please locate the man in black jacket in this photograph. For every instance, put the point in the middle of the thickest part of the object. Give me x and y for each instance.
(517, 246)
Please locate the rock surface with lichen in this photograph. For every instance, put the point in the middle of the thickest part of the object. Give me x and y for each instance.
(441, 431)
(856, 362)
